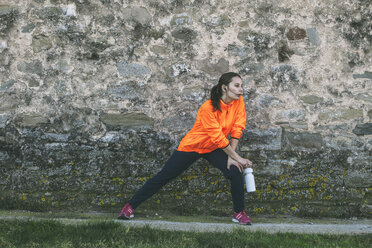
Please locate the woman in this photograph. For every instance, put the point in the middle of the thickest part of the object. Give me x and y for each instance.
(221, 116)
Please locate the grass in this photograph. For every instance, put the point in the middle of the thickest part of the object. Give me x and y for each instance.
(102, 233)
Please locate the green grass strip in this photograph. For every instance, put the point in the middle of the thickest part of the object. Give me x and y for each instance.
(48, 233)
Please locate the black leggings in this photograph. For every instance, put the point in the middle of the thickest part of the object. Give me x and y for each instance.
(179, 162)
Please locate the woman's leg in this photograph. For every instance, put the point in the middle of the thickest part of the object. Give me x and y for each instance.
(218, 158)
(176, 164)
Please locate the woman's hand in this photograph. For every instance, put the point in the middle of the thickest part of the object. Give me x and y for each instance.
(234, 159)
(233, 162)
(243, 163)
(246, 163)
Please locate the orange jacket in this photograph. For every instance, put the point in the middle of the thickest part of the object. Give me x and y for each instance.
(212, 128)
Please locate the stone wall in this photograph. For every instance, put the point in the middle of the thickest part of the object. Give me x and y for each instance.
(96, 94)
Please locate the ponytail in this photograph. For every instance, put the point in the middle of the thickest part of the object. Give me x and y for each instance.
(216, 91)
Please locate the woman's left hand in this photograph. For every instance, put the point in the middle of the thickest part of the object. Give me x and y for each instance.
(233, 162)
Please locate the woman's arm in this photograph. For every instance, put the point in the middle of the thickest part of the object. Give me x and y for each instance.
(234, 143)
(232, 159)
(239, 162)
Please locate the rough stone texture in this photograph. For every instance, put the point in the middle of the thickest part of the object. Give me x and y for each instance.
(8, 15)
(96, 95)
(363, 129)
(296, 33)
(311, 99)
(313, 36)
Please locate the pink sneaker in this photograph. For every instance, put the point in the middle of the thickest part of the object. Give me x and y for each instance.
(126, 212)
(242, 218)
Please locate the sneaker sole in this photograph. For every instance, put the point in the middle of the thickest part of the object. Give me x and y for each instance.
(236, 221)
(123, 217)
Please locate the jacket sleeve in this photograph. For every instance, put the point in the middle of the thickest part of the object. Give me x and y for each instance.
(241, 118)
(213, 127)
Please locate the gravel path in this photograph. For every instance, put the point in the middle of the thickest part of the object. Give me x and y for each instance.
(267, 227)
(349, 228)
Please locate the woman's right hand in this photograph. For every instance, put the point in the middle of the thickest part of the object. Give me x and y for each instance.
(245, 162)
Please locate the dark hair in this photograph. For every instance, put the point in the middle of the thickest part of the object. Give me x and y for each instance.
(216, 92)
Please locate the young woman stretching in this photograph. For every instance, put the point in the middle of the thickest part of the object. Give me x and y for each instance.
(222, 115)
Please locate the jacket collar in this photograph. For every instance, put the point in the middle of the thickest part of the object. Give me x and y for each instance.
(224, 106)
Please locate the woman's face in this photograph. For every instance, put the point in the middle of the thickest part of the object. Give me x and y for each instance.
(234, 90)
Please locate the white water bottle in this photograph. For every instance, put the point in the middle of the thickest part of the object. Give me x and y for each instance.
(249, 180)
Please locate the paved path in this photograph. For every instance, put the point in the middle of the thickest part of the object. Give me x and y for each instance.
(267, 227)
(352, 228)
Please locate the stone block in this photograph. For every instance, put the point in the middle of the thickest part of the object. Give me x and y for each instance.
(266, 101)
(272, 168)
(296, 33)
(291, 114)
(28, 28)
(358, 179)
(311, 99)
(159, 50)
(342, 142)
(215, 69)
(63, 66)
(3, 120)
(128, 70)
(363, 129)
(216, 21)
(246, 67)
(51, 13)
(8, 102)
(41, 43)
(195, 94)
(129, 120)
(7, 17)
(364, 97)
(255, 139)
(137, 14)
(7, 85)
(33, 82)
(34, 67)
(3, 45)
(184, 34)
(179, 123)
(126, 90)
(55, 137)
(31, 120)
(302, 141)
(313, 36)
(297, 125)
(180, 20)
(366, 74)
(340, 114)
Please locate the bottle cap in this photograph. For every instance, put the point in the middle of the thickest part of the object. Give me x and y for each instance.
(248, 170)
